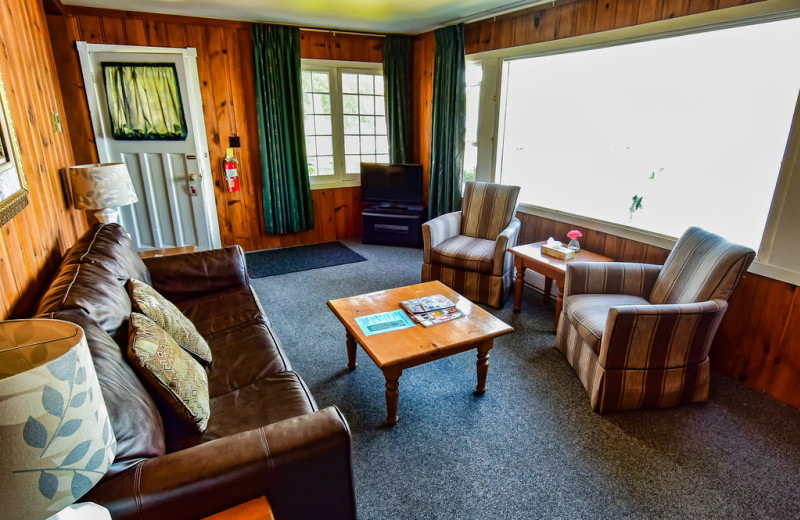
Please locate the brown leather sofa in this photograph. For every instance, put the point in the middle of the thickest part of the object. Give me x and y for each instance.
(265, 436)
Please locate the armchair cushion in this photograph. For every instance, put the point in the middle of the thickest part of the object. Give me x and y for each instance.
(487, 209)
(463, 252)
(588, 313)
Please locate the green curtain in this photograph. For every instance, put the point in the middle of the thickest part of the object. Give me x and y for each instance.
(397, 81)
(286, 188)
(449, 121)
(144, 101)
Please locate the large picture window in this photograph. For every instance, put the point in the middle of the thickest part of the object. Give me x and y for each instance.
(657, 135)
(344, 118)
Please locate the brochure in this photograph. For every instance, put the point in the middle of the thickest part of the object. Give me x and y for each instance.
(384, 322)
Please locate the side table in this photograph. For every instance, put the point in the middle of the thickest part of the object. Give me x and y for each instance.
(530, 256)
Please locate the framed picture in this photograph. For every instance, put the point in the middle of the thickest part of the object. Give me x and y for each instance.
(13, 188)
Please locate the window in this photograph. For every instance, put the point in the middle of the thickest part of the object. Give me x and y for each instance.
(657, 135)
(474, 74)
(345, 120)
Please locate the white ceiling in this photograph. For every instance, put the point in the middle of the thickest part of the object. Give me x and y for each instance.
(375, 16)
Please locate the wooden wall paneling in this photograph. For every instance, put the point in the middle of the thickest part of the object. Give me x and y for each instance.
(31, 244)
(135, 31)
(114, 31)
(627, 13)
(422, 98)
(567, 21)
(606, 15)
(649, 11)
(587, 16)
(674, 8)
(701, 6)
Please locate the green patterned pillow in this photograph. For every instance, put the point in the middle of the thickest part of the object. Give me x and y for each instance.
(146, 300)
(170, 371)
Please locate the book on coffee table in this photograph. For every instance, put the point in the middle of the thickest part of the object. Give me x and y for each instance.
(384, 322)
(431, 310)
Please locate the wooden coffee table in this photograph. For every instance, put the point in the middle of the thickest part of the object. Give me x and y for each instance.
(397, 350)
(529, 256)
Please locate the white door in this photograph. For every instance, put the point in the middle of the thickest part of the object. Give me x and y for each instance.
(172, 178)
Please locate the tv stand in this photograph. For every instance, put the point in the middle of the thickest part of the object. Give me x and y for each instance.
(393, 224)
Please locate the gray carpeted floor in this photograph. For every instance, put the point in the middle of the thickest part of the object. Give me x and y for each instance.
(530, 447)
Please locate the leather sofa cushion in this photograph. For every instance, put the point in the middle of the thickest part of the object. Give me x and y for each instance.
(92, 288)
(467, 253)
(278, 397)
(588, 313)
(134, 416)
(243, 355)
(110, 246)
(220, 311)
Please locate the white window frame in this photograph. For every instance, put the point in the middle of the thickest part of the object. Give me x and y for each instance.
(335, 68)
(777, 259)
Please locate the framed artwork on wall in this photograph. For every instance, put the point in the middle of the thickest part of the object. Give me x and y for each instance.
(13, 187)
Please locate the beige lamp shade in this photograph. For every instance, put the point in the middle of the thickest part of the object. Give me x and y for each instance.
(56, 440)
(101, 186)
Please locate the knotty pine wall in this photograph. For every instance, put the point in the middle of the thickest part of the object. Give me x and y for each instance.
(225, 67)
(33, 242)
(759, 339)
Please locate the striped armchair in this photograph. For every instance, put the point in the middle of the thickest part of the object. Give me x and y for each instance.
(638, 335)
(467, 250)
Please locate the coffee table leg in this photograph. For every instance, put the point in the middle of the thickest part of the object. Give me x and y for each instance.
(483, 364)
(518, 282)
(548, 289)
(351, 352)
(392, 394)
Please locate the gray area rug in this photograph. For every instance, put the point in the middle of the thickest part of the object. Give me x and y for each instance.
(530, 447)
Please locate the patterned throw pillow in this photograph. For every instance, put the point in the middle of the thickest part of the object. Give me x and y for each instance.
(170, 371)
(146, 300)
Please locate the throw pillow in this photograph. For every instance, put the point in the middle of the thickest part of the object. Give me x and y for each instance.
(146, 300)
(170, 371)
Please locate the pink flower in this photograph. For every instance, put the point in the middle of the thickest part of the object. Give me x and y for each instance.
(572, 235)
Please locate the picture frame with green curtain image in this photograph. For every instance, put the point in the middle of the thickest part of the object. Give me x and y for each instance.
(13, 187)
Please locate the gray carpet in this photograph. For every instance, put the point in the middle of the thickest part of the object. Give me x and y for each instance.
(530, 447)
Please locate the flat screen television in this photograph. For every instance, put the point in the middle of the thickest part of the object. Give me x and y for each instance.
(397, 184)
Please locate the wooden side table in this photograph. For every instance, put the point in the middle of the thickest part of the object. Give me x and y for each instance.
(256, 509)
(168, 251)
(530, 256)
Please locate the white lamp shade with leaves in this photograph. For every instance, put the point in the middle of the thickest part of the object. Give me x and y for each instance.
(56, 440)
(102, 187)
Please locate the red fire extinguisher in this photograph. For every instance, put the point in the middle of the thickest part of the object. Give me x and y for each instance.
(231, 167)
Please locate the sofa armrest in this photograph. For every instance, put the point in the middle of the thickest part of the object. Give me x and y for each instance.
(503, 260)
(187, 276)
(439, 229)
(302, 465)
(610, 278)
(660, 336)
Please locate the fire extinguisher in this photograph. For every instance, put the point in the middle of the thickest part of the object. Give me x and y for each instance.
(231, 168)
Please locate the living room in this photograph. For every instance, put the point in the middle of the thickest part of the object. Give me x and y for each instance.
(735, 456)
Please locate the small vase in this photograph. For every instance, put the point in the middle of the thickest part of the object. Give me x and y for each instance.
(574, 245)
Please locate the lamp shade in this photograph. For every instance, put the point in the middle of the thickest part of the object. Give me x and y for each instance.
(56, 440)
(101, 186)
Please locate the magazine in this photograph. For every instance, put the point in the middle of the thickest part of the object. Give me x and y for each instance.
(431, 310)
(427, 304)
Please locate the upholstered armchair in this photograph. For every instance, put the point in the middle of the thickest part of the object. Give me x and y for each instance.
(467, 250)
(638, 335)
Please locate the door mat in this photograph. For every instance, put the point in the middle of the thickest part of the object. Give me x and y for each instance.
(271, 262)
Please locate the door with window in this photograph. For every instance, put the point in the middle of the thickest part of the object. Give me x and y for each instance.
(147, 112)
(344, 119)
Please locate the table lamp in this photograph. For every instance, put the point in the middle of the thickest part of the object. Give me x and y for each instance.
(102, 187)
(56, 440)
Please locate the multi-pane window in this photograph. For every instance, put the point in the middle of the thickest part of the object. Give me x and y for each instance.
(345, 119)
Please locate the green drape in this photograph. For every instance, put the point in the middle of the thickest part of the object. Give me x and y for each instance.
(144, 101)
(397, 81)
(449, 121)
(279, 104)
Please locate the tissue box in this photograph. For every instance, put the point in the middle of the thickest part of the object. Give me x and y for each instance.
(560, 252)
